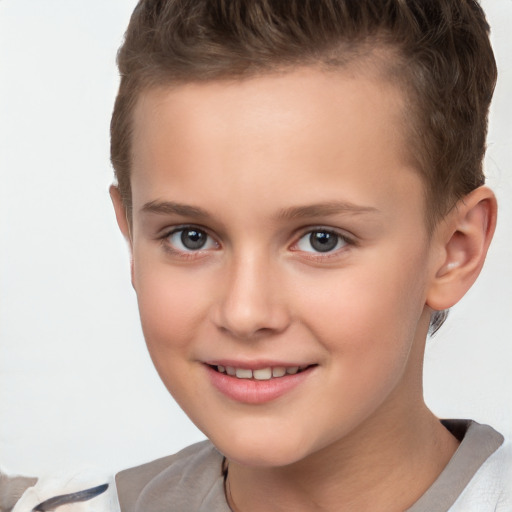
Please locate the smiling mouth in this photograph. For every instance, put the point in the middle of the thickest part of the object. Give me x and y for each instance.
(274, 372)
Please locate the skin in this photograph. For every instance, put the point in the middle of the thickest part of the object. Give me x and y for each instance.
(355, 434)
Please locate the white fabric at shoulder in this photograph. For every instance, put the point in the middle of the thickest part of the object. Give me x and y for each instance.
(490, 490)
(85, 491)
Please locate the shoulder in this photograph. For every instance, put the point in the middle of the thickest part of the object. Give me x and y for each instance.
(478, 478)
(491, 487)
(86, 490)
(191, 479)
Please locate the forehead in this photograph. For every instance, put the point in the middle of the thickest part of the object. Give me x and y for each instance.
(302, 95)
(284, 131)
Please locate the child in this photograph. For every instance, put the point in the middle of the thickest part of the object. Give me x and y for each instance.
(301, 187)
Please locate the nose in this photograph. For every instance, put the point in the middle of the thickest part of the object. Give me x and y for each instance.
(252, 302)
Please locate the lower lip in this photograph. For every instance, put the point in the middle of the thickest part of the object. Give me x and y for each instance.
(251, 391)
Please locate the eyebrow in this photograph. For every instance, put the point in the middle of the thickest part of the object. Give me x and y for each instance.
(324, 210)
(171, 207)
(293, 212)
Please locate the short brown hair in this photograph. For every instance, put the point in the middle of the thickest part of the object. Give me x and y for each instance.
(440, 55)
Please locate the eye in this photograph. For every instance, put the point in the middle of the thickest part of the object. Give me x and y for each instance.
(321, 240)
(189, 239)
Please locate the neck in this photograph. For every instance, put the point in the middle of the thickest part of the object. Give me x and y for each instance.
(378, 469)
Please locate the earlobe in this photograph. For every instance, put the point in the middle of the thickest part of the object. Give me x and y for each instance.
(463, 238)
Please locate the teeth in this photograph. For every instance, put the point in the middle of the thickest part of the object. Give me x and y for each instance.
(242, 373)
(278, 371)
(263, 374)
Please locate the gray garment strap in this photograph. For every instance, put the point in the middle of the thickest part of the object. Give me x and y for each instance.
(194, 483)
(479, 442)
(190, 481)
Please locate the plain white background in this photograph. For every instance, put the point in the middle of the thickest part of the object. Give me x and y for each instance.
(76, 384)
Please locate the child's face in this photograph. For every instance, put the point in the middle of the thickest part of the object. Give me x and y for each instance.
(277, 223)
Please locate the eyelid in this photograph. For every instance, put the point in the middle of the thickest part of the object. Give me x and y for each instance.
(349, 240)
(164, 235)
(343, 233)
(169, 230)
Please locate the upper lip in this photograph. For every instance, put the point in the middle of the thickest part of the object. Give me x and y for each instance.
(256, 364)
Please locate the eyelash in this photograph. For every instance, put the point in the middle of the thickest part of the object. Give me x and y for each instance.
(313, 255)
(319, 255)
(190, 253)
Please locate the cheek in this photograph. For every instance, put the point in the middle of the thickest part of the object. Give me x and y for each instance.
(370, 311)
(367, 324)
(171, 305)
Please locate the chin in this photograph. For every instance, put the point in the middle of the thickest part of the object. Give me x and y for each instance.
(260, 450)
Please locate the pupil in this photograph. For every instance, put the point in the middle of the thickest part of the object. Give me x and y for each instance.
(193, 238)
(323, 241)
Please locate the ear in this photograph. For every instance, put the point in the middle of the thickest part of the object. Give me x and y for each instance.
(463, 239)
(122, 220)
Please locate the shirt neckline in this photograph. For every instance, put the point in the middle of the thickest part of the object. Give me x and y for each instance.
(478, 443)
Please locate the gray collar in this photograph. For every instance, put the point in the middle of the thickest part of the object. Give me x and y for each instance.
(478, 443)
